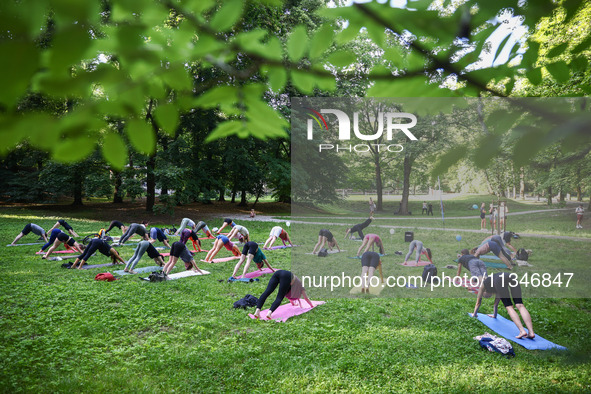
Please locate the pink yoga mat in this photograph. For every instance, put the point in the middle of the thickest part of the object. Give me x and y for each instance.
(286, 311)
(222, 260)
(412, 263)
(60, 251)
(166, 254)
(281, 247)
(256, 273)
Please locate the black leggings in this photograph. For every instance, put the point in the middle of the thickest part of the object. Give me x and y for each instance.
(281, 278)
(93, 246)
(115, 223)
(358, 228)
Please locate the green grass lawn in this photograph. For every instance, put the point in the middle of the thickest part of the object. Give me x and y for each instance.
(61, 330)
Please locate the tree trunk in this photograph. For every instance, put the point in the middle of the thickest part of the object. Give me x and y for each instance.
(579, 193)
(243, 201)
(407, 167)
(549, 195)
(150, 184)
(378, 182)
(234, 192)
(222, 197)
(522, 183)
(117, 195)
(561, 195)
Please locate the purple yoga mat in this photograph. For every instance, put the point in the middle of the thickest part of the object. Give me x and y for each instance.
(257, 273)
(281, 247)
(286, 311)
(222, 260)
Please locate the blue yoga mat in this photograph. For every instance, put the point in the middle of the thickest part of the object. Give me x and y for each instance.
(243, 280)
(489, 257)
(490, 264)
(88, 267)
(509, 330)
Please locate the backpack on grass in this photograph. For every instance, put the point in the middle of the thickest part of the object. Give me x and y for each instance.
(522, 255)
(158, 276)
(323, 252)
(429, 272)
(496, 344)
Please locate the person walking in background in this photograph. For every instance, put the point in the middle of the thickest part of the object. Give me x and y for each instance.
(425, 210)
(579, 211)
(430, 210)
(372, 206)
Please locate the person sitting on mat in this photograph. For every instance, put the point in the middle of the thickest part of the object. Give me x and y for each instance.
(103, 247)
(135, 228)
(177, 250)
(369, 262)
(227, 222)
(290, 287)
(476, 266)
(185, 223)
(504, 287)
(31, 227)
(239, 232)
(191, 235)
(418, 245)
(63, 238)
(156, 234)
(325, 237)
(65, 225)
(252, 213)
(251, 252)
(119, 225)
(277, 232)
(358, 228)
(202, 226)
(492, 246)
(368, 241)
(221, 241)
(143, 247)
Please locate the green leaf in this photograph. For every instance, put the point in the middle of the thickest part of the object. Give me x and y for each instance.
(530, 57)
(277, 77)
(449, 158)
(69, 46)
(579, 64)
(226, 129)
(559, 71)
(274, 49)
(488, 147)
(303, 81)
(530, 141)
(73, 149)
(582, 46)
(341, 58)
(297, 43)
(16, 72)
(227, 15)
(322, 40)
(114, 150)
(214, 97)
(534, 76)
(198, 6)
(557, 50)
(327, 84)
(141, 136)
(167, 117)
(177, 77)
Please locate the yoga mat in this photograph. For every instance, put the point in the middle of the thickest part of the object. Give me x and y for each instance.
(222, 260)
(247, 280)
(281, 247)
(489, 257)
(139, 270)
(414, 263)
(61, 251)
(32, 243)
(373, 290)
(257, 273)
(88, 267)
(494, 265)
(286, 311)
(466, 284)
(509, 330)
(359, 257)
(329, 252)
(183, 274)
(156, 247)
(60, 258)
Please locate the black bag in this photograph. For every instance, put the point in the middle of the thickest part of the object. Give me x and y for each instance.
(157, 276)
(522, 255)
(409, 236)
(248, 301)
(429, 272)
(323, 252)
(67, 265)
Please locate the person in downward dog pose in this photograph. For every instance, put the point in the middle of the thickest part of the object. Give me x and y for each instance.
(325, 237)
(251, 252)
(31, 227)
(369, 241)
(101, 246)
(143, 247)
(221, 241)
(290, 287)
(65, 225)
(277, 232)
(63, 238)
(418, 245)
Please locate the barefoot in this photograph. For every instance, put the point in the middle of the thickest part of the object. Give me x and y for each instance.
(132, 272)
(531, 335)
(521, 335)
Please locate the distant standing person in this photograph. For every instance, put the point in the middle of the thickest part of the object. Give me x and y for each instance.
(65, 225)
(430, 209)
(252, 213)
(579, 211)
(425, 210)
(482, 217)
(31, 227)
(372, 206)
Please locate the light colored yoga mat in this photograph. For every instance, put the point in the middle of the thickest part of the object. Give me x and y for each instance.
(414, 263)
(286, 311)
